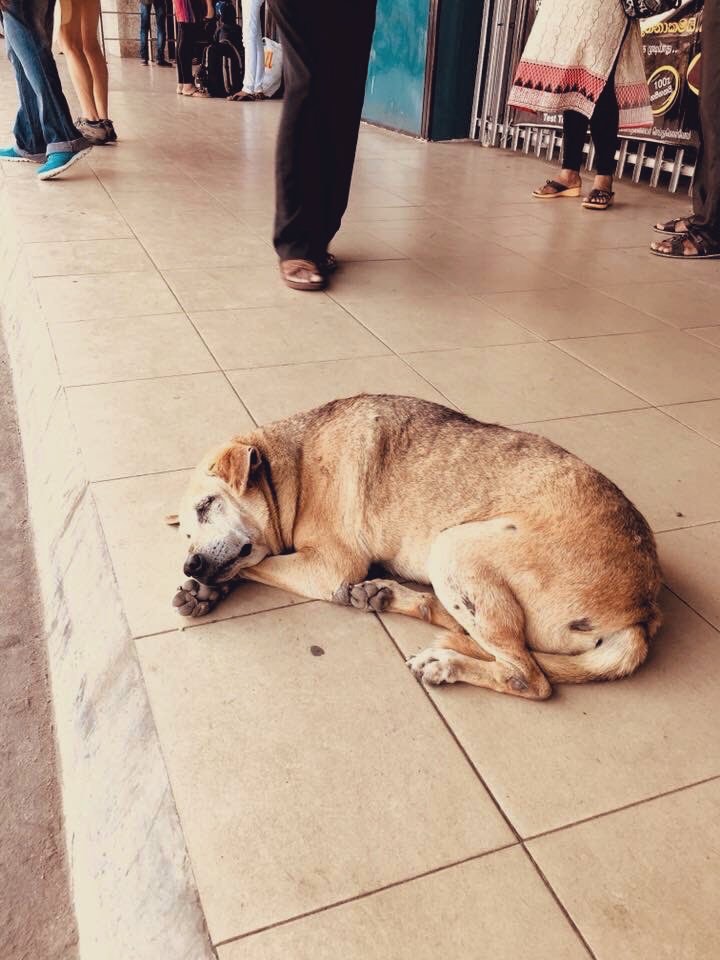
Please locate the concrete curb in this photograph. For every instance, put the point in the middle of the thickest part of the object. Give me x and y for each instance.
(133, 889)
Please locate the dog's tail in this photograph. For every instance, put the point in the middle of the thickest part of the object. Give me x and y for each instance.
(613, 656)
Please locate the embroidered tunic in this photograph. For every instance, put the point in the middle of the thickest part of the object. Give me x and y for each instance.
(570, 54)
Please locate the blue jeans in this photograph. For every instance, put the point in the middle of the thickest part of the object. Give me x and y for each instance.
(145, 29)
(44, 124)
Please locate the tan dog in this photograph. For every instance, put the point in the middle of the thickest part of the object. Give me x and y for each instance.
(543, 571)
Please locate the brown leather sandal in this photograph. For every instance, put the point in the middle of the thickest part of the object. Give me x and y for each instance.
(598, 199)
(302, 275)
(552, 189)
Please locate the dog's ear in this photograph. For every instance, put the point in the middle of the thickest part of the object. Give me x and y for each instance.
(236, 464)
(172, 520)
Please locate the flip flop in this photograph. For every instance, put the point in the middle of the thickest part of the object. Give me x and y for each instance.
(241, 95)
(559, 190)
(706, 250)
(302, 275)
(598, 199)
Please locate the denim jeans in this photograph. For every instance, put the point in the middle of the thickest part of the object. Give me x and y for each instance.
(145, 29)
(44, 124)
(253, 44)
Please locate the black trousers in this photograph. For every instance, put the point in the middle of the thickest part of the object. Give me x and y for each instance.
(326, 49)
(603, 128)
(706, 190)
(188, 34)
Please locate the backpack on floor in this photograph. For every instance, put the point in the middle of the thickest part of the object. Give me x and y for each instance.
(221, 73)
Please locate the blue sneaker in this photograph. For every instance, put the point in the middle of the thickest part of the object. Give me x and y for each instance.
(58, 163)
(10, 153)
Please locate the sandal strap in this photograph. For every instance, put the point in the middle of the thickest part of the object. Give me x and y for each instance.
(704, 246)
(295, 266)
(557, 186)
(602, 195)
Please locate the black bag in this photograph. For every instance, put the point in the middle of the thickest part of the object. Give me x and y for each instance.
(221, 73)
(639, 9)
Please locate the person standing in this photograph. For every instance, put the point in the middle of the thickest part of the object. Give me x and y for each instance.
(584, 59)
(698, 236)
(252, 88)
(326, 50)
(44, 130)
(160, 19)
(79, 23)
(191, 16)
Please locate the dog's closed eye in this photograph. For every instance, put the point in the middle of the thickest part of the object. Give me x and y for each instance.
(203, 508)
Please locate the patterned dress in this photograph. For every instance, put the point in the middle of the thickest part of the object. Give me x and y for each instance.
(569, 55)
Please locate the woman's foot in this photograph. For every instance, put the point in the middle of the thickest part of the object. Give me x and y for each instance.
(302, 275)
(601, 196)
(568, 184)
(242, 95)
(190, 90)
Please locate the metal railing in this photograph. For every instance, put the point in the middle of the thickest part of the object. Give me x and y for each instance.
(501, 41)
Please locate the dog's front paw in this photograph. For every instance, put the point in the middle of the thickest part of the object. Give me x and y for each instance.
(195, 599)
(434, 666)
(371, 595)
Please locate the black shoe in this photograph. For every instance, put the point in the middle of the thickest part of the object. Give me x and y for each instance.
(163, 63)
(111, 135)
(144, 62)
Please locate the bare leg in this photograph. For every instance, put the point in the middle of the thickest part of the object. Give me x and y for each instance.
(80, 72)
(90, 10)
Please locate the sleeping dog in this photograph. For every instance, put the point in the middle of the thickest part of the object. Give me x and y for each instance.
(541, 570)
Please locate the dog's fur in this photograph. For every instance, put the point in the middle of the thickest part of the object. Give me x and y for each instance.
(542, 570)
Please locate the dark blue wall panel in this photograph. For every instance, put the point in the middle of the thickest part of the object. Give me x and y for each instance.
(396, 79)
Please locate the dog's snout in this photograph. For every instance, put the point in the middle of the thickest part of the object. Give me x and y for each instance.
(194, 565)
(246, 550)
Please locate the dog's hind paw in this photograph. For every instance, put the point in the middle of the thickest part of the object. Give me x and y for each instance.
(434, 666)
(195, 599)
(371, 595)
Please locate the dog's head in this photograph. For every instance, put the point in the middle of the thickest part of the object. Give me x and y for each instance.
(225, 515)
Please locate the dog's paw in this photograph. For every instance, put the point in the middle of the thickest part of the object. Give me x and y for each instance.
(371, 595)
(434, 666)
(195, 599)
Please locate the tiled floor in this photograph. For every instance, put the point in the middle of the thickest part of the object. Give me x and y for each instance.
(332, 807)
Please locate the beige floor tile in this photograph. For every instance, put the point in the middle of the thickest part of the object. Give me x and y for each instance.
(437, 323)
(84, 257)
(257, 728)
(573, 312)
(355, 242)
(703, 417)
(271, 393)
(592, 747)
(643, 883)
(625, 265)
(147, 426)
(50, 226)
(65, 299)
(103, 351)
(668, 471)
(494, 273)
(255, 285)
(711, 334)
(488, 908)
(680, 304)
(424, 239)
(510, 383)
(690, 560)
(314, 329)
(387, 279)
(661, 366)
(148, 555)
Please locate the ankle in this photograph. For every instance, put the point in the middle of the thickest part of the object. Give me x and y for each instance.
(569, 176)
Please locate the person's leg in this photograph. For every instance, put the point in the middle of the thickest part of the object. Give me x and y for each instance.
(343, 81)
(259, 49)
(604, 129)
(706, 188)
(72, 45)
(90, 22)
(29, 138)
(144, 31)
(252, 35)
(30, 44)
(160, 17)
(302, 135)
(568, 180)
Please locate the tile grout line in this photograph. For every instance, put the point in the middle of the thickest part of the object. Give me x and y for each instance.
(626, 806)
(365, 895)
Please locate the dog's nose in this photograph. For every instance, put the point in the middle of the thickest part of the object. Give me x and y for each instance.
(194, 565)
(246, 550)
